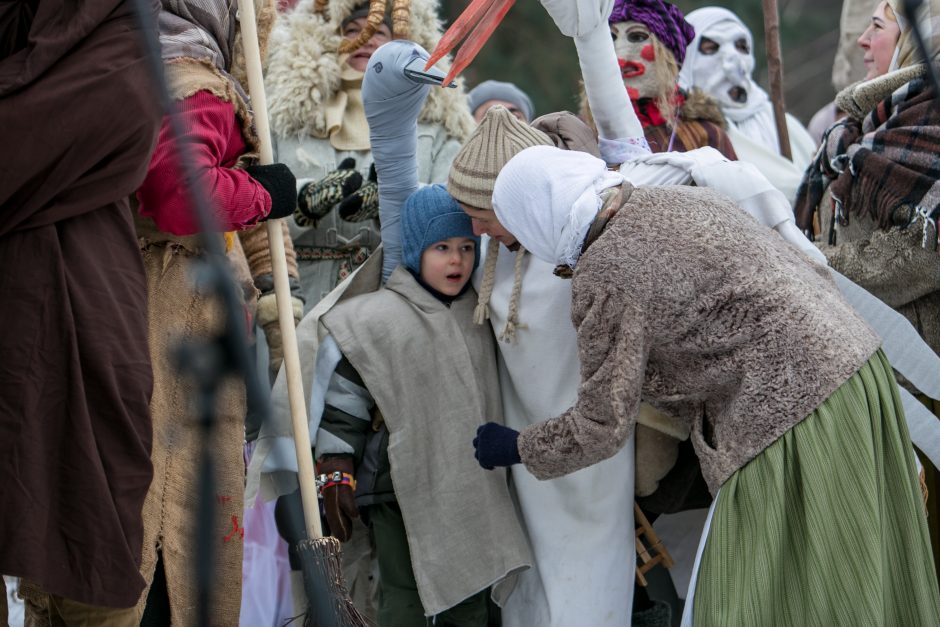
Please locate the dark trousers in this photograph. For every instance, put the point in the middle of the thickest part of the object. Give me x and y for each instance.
(399, 604)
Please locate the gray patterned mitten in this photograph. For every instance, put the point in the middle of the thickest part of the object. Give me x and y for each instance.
(363, 204)
(315, 200)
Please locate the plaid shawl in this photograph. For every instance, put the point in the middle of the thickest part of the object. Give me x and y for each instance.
(886, 162)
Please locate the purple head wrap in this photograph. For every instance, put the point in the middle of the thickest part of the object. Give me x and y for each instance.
(663, 19)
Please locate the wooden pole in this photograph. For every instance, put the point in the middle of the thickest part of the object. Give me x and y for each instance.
(775, 71)
(285, 311)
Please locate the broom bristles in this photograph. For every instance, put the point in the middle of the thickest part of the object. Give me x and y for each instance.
(328, 599)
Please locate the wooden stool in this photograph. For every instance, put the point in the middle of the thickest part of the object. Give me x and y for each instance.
(650, 549)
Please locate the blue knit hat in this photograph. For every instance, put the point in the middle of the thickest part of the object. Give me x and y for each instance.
(431, 215)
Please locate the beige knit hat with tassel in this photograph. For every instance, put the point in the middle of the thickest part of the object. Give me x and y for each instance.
(499, 137)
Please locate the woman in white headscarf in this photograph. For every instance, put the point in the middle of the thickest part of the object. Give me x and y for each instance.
(735, 334)
(720, 62)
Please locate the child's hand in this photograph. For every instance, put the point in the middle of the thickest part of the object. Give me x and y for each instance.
(338, 489)
(496, 446)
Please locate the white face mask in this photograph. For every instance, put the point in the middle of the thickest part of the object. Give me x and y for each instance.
(633, 44)
(724, 64)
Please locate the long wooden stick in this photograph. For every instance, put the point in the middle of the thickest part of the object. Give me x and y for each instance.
(285, 312)
(775, 70)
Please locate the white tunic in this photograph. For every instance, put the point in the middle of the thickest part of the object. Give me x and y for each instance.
(581, 525)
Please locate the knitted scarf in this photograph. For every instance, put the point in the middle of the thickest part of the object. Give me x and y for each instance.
(885, 163)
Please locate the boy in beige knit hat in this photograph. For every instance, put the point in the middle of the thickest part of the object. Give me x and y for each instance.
(499, 137)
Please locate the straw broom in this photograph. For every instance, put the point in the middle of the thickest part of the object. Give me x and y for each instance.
(328, 599)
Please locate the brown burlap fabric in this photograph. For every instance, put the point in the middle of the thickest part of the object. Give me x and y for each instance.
(177, 311)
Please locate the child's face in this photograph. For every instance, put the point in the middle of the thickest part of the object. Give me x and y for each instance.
(446, 265)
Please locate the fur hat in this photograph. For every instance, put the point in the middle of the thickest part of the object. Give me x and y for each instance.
(431, 215)
(498, 138)
(304, 69)
(362, 10)
(498, 90)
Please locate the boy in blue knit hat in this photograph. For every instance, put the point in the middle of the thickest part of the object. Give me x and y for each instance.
(414, 379)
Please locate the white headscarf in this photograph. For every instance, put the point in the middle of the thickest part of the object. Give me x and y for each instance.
(754, 118)
(548, 197)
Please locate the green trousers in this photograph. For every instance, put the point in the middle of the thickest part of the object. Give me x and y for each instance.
(399, 604)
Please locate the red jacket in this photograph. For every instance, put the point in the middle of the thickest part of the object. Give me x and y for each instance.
(213, 135)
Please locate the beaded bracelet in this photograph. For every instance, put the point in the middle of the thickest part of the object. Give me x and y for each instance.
(335, 478)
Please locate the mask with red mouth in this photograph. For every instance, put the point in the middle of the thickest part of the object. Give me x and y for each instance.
(650, 38)
(643, 70)
(662, 20)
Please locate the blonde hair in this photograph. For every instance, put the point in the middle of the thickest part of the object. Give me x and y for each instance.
(889, 13)
(666, 74)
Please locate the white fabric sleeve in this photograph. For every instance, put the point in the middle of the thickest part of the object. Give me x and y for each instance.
(603, 82)
(586, 22)
(751, 190)
(741, 182)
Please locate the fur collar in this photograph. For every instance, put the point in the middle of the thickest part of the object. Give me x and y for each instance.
(700, 106)
(859, 99)
(304, 70)
(697, 106)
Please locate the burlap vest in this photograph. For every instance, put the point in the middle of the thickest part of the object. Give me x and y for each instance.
(432, 373)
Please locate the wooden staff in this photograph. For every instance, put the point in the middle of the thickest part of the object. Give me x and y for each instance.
(775, 70)
(328, 600)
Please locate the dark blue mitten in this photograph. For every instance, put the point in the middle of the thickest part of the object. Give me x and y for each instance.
(496, 445)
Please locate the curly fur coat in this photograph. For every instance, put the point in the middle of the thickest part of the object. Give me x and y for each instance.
(672, 307)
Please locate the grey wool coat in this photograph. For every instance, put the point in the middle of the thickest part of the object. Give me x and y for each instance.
(432, 373)
(687, 303)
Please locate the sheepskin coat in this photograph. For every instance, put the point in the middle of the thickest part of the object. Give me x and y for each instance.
(303, 75)
(303, 71)
(687, 303)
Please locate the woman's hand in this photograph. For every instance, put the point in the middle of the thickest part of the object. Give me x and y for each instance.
(496, 445)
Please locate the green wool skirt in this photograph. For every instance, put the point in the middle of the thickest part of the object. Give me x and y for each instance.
(826, 526)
